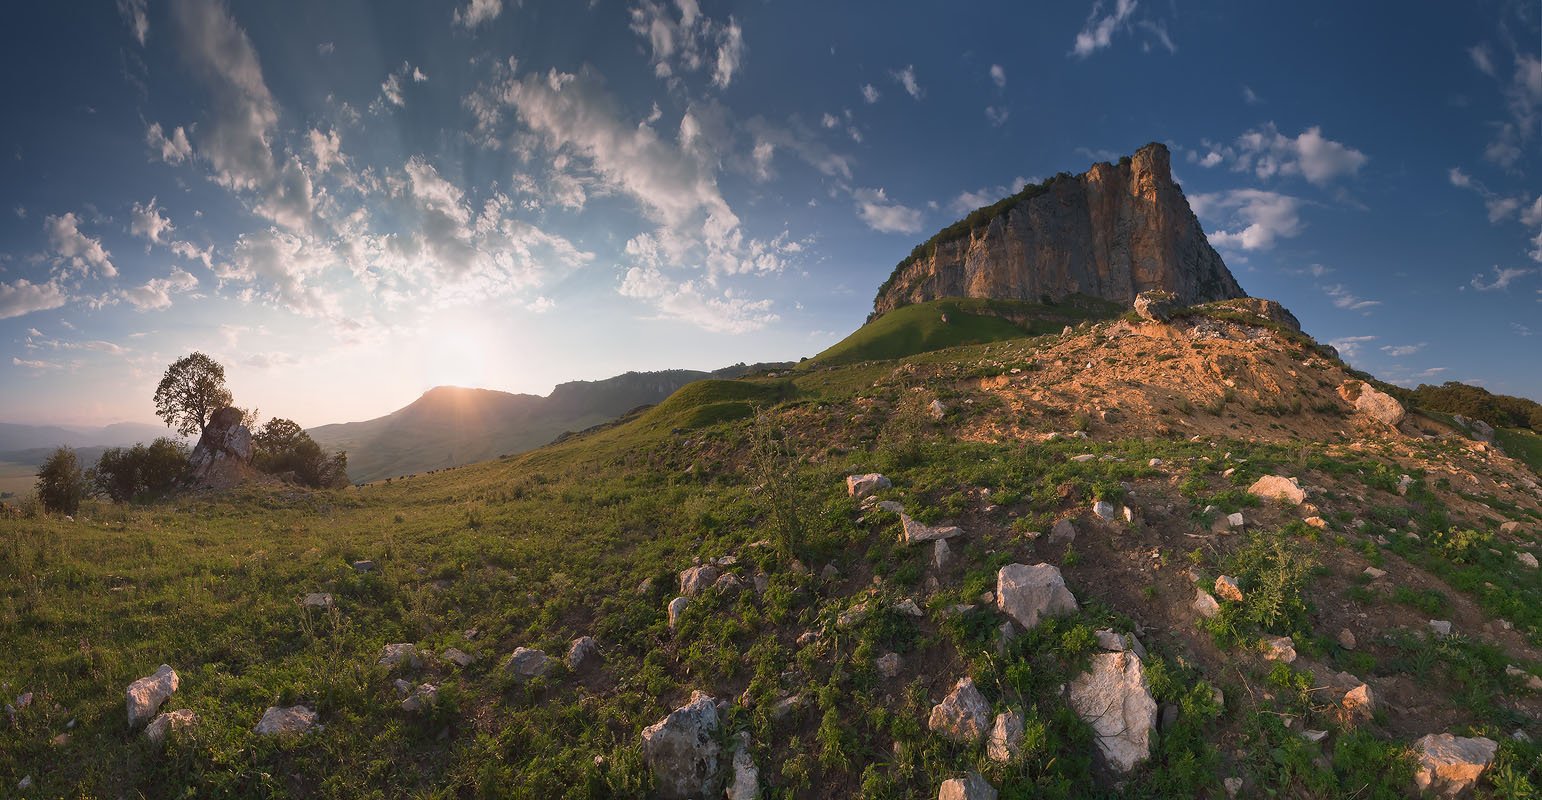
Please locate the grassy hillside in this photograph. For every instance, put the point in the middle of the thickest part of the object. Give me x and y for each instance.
(587, 537)
(919, 328)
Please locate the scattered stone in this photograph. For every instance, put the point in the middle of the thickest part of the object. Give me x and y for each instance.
(1006, 739)
(972, 786)
(937, 409)
(891, 506)
(1372, 403)
(459, 657)
(1235, 519)
(908, 607)
(1226, 588)
(1403, 483)
(728, 584)
(1105, 510)
(889, 664)
(1281, 648)
(1359, 702)
(527, 664)
(1026, 593)
(163, 724)
(1347, 639)
(1128, 514)
(682, 750)
(1155, 462)
(1115, 642)
(318, 600)
(942, 555)
(25, 783)
(1375, 573)
(580, 651)
(145, 696)
(1167, 718)
(364, 566)
(852, 616)
(1510, 527)
(1314, 736)
(401, 654)
(1316, 522)
(1064, 531)
(695, 579)
(422, 699)
(283, 720)
(1083, 458)
(1004, 636)
(830, 573)
(916, 532)
(1531, 681)
(1278, 487)
(1449, 765)
(1115, 700)
(1527, 560)
(860, 486)
(676, 608)
(786, 706)
(1233, 786)
(746, 782)
(961, 716)
(1205, 605)
(1440, 627)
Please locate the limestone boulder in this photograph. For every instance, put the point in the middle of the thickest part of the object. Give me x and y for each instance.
(918, 532)
(860, 486)
(165, 723)
(1156, 305)
(972, 786)
(1278, 487)
(580, 651)
(1005, 743)
(145, 696)
(1450, 765)
(676, 608)
(696, 579)
(963, 715)
(682, 751)
(1027, 593)
(1280, 648)
(746, 780)
(400, 654)
(1377, 405)
(285, 721)
(1115, 699)
(527, 664)
(1226, 588)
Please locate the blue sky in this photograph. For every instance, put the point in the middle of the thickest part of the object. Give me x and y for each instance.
(350, 202)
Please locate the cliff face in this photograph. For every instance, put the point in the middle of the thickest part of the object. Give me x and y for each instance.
(1112, 232)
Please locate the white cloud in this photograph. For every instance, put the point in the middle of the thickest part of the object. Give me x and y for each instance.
(75, 249)
(477, 12)
(1482, 59)
(801, 143)
(979, 198)
(1266, 152)
(35, 364)
(172, 150)
(688, 41)
(21, 297)
(1158, 31)
(1256, 217)
(1345, 299)
(870, 93)
(326, 48)
(1503, 277)
(997, 115)
(998, 76)
(907, 79)
(155, 294)
(1349, 346)
(1249, 96)
(1098, 32)
(133, 13)
(192, 252)
(1521, 330)
(391, 87)
(884, 215)
(1399, 351)
(829, 121)
(1523, 100)
(688, 302)
(326, 148)
(148, 221)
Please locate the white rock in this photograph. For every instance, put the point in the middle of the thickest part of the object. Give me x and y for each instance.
(917, 532)
(1531, 681)
(1527, 560)
(942, 555)
(318, 600)
(1440, 627)
(937, 409)
(1375, 404)
(1359, 702)
(972, 786)
(1006, 740)
(695, 579)
(746, 782)
(1278, 487)
(676, 608)
(422, 699)
(1063, 531)
(459, 657)
(402, 654)
(682, 750)
(1449, 765)
(145, 696)
(1314, 736)
(860, 486)
(527, 664)
(163, 724)
(961, 716)
(1114, 698)
(1280, 648)
(1105, 510)
(909, 608)
(889, 664)
(1226, 588)
(1027, 593)
(1205, 605)
(1083, 458)
(281, 720)
(1235, 519)
(580, 651)
(1347, 639)
(1233, 786)
(1375, 573)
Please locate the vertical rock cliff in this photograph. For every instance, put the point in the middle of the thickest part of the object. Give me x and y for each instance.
(1112, 232)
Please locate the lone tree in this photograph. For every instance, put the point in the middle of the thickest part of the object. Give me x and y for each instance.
(60, 484)
(192, 389)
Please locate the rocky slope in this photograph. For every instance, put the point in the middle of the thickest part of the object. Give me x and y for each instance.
(1112, 232)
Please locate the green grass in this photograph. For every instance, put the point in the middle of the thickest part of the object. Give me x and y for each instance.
(919, 328)
(1522, 445)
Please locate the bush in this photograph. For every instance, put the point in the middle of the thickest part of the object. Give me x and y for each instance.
(281, 447)
(60, 484)
(122, 474)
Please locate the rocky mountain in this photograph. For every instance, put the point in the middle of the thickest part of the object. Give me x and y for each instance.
(449, 425)
(1112, 232)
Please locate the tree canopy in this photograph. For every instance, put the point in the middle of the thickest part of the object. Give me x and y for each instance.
(192, 389)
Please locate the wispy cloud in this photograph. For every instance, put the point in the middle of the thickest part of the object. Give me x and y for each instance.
(1349, 346)
(884, 215)
(477, 12)
(1502, 278)
(1345, 299)
(1402, 350)
(907, 79)
(998, 76)
(870, 93)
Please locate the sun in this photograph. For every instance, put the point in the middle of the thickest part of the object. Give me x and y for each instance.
(456, 355)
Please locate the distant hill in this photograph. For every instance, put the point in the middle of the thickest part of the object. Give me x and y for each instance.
(449, 426)
(28, 437)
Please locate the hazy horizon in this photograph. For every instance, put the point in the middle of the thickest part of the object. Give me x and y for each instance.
(350, 204)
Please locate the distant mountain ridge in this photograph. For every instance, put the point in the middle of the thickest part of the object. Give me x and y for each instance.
(449, 426)
(31, 437)
(1112, 232)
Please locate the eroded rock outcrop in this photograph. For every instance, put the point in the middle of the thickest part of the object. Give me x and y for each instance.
(1114, 698)
(1112, 232)
(682, 750)
(223, 456)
